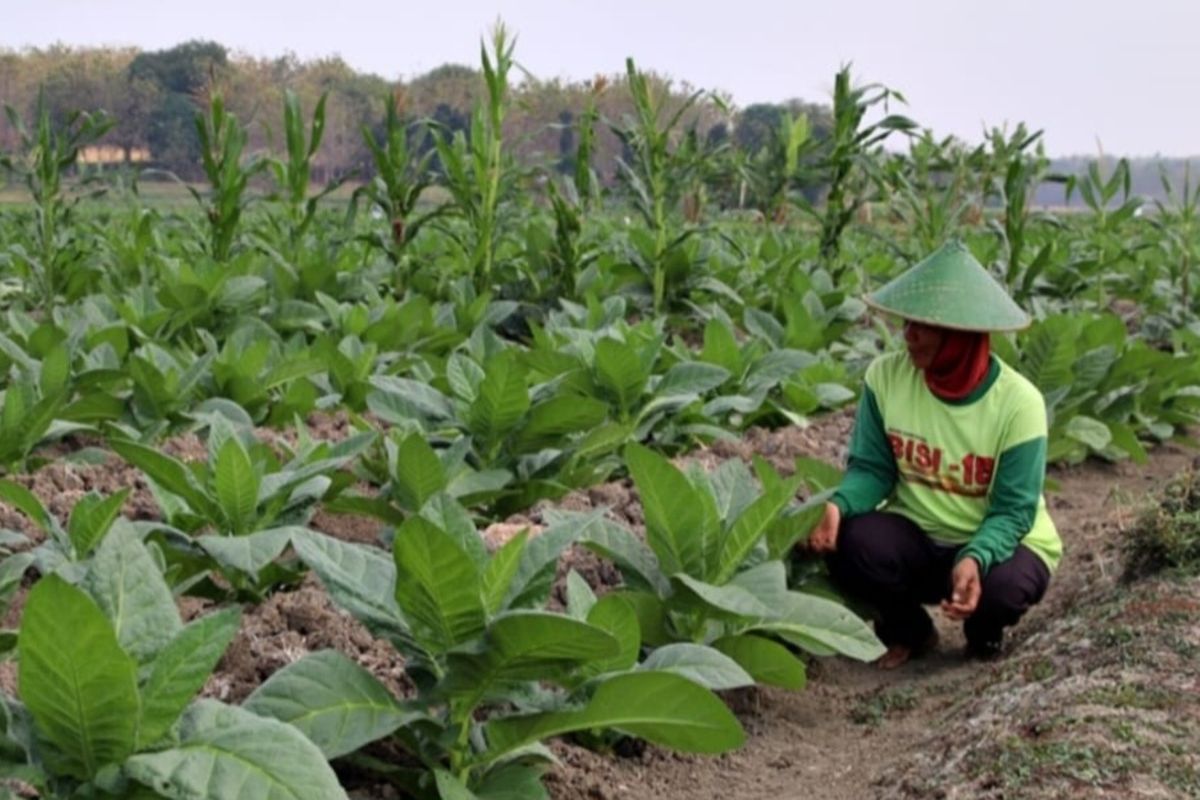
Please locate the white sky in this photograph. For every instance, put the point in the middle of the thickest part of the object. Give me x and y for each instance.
(1124, 73)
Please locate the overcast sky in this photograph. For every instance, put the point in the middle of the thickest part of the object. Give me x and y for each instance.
(1124, 74)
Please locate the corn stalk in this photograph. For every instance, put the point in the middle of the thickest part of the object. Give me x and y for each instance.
(850, 164)
(479, 172)
(654, 173)
(401, 176)
(222, 143)
(49, 153)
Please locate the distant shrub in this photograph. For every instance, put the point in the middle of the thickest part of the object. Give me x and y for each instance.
(1167, 535)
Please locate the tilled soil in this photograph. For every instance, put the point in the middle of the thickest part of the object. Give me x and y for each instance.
(937, 727)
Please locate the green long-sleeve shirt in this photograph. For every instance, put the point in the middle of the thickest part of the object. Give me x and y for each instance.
(968, 472)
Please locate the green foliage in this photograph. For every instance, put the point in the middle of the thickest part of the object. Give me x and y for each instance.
(57, 263)
(478, 171)
(236, 512)
(108, 674)
(710, 571)
(401, 176)
(1106, 392)
(222, 144)
(494, 674)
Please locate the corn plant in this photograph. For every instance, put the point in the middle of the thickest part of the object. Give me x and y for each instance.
(401, 177)
(293, 176)
(849, 162)
(558, 264)
(1021, 162)
(104, 704)
(222, 146)
(1108, 245)
(1178, 221)
(479, 173)
(495, 675)
(934, 190)
(57, 258)
(653, 175)
(772, 172)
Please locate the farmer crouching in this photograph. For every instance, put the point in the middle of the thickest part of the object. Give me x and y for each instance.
(942, 497)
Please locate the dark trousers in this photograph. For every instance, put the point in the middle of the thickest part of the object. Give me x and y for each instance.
(888, 561)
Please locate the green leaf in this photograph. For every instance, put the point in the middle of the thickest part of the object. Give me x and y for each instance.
(819, 625)
(710, 668)
(437, 586)
(91, 518)
(651, 616)
(579, 596)
(181, 669)
(360, 579)
(419, 473)
(500, 570)
(170, 474)
(676, 525)
(1126, 439)
(55, 371)
(248, 554)
(690, 378)
(126, 583)
(768, 662)
(27, 503)
(728, 599)
(227, 752)
(1089, 431)
(78, 684)
(616, 614)
(464, 376)
(450, 787)
(621, 372)
(535, 573)
(502, 402)
(236, 483)
(334, 702)
(553, 419)
(637, 562)
(720, 346)
(751, 526)
(529, 646)
(660, 707)
(817, 475)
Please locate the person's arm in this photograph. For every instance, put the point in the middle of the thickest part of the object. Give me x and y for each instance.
(871, 471)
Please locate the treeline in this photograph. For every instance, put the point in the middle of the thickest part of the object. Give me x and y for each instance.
(154, 96)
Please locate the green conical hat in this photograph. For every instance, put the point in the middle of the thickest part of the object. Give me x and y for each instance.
(952, 290)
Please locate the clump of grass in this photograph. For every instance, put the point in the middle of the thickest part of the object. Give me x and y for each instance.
(1167, 536)
(872, 708)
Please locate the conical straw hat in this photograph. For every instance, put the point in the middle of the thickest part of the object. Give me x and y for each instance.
(950, 289)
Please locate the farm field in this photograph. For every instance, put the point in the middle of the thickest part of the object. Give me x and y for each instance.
(480, 480)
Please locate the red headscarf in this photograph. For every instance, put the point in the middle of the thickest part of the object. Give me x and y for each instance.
(960, 365)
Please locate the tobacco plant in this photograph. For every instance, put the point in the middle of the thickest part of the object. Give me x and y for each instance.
(711, 570)
(104, 705)
(236, 512)
(494, 674)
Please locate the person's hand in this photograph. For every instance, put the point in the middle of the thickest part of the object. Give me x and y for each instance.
(966, 587)
(823, 538)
